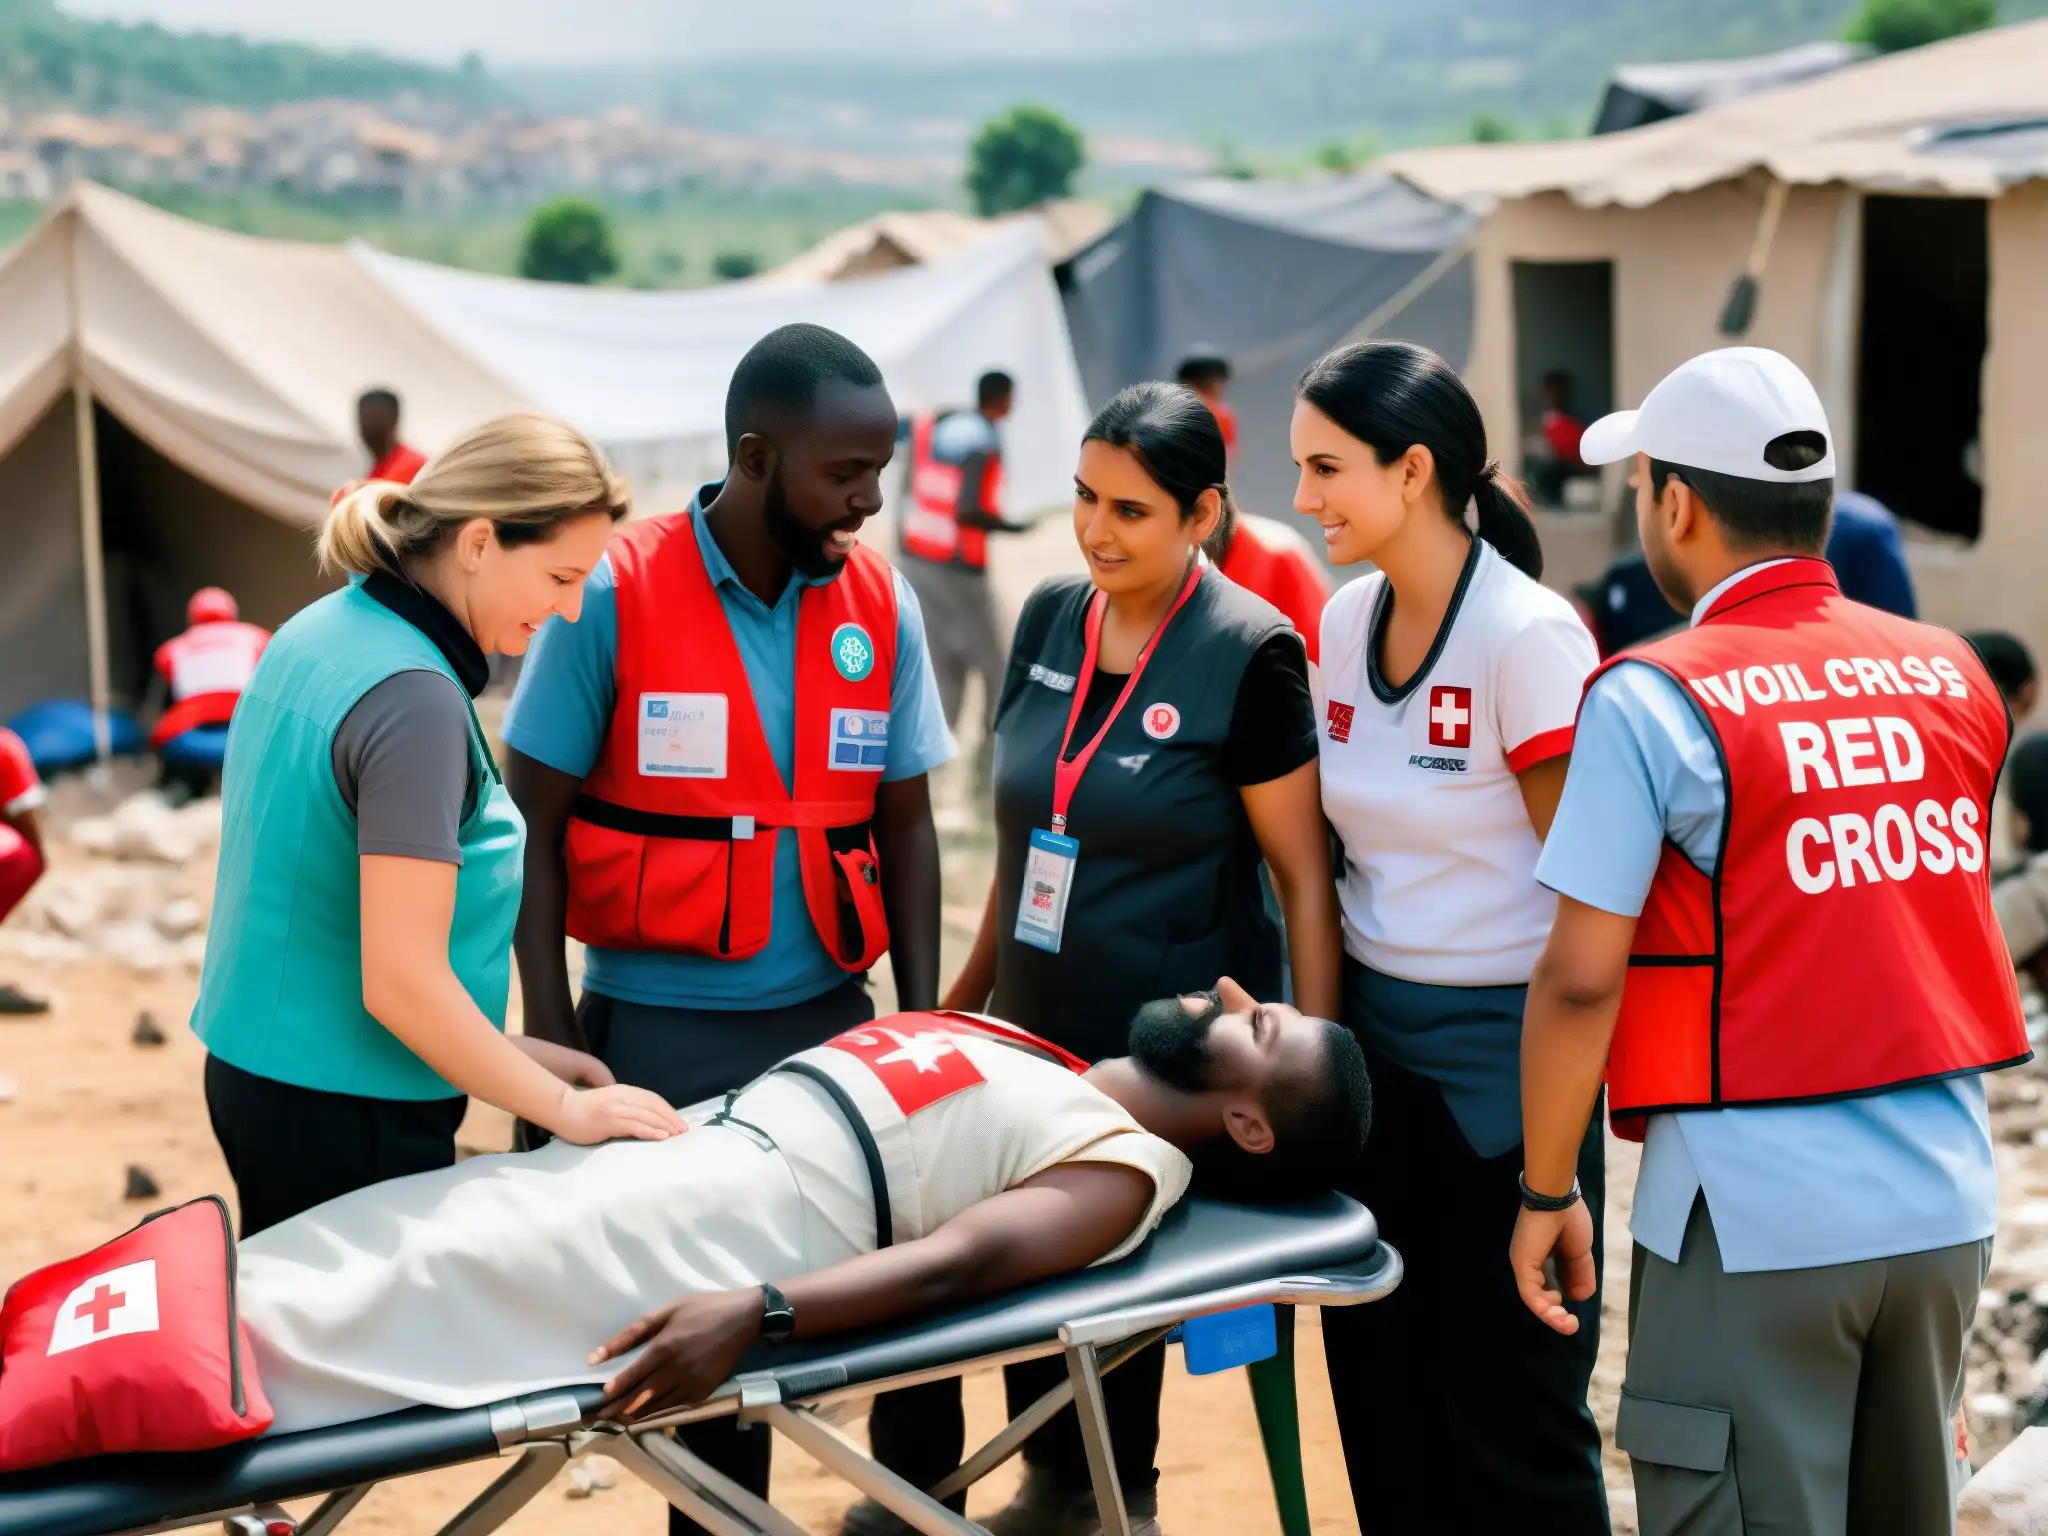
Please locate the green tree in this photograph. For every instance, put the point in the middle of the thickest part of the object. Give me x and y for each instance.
(1022, 158)
(1892, 25)
(1335, 156)
(731, 266)
(1488, 129)
(568, 240)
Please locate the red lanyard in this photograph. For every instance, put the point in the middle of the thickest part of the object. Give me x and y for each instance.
(1066, 776)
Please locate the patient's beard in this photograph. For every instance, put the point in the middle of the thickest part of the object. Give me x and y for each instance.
(1173, 1045)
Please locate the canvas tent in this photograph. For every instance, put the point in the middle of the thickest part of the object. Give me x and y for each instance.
(1901, 266)
(1271, 274)
(1649, 93)
(645, 373)
(203, 384)
(224, 372)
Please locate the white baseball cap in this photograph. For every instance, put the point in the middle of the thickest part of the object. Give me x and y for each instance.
(1719, 412)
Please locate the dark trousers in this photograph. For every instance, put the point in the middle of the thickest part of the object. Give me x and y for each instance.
(688, 1055)
(289, 1149)
(1458, 1409)
(920, 1433)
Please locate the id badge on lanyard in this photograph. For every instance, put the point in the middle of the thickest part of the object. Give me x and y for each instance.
(1050, 862)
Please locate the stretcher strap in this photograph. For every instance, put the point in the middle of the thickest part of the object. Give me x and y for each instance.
(878, 1180)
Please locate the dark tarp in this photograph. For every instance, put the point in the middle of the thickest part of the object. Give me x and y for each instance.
(1649, 93)
(1271, 275)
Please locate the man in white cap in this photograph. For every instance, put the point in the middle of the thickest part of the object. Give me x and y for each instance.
(1775, 940)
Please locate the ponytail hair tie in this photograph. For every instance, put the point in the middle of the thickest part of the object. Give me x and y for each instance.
(1489, 472)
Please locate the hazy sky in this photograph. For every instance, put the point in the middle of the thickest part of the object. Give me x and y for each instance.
(569, 31)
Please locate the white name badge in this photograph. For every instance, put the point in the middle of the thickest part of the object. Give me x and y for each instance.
(682, 735)
(1048, 882)
(859, 740)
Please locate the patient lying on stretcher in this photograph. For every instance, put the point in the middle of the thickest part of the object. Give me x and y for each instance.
(1003, 1163)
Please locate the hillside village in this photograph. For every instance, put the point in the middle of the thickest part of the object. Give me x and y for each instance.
(412, 155)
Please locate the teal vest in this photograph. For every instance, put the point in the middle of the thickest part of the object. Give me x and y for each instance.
(281, 993)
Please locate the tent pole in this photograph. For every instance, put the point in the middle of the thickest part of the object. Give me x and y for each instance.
(95, 567)
(86, 436)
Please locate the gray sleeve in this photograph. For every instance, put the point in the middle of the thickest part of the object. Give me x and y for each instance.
(402, 762)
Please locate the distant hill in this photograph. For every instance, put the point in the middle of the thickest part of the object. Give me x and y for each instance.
(49, 59)
(1399, 74)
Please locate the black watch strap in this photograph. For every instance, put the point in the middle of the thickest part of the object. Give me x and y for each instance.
(1532, 1201)
(778, 1317)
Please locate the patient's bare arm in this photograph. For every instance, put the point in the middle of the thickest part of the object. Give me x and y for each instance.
(1064, 1219)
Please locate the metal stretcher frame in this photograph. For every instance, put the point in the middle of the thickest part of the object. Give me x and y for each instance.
(1206, 1258)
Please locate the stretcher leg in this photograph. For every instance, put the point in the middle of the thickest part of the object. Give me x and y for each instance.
(1280, 1426)
(840, 1455)
(334, 1509)
(695, 1487)
(510, 1491)
(1011, 1438)
(1085, 1372)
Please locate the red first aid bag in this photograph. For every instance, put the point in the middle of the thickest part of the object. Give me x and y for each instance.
(132, 1347)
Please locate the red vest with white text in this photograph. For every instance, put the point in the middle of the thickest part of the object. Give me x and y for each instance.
(931, 527)
(671, 845)
(207, 668)
(1845, 944)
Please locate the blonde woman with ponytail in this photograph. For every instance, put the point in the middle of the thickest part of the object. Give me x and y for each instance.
(357, 969)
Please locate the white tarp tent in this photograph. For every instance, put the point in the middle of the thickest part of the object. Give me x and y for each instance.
(213, 377)
(645, 373)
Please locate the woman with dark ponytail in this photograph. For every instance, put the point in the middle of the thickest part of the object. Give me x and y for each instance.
(1450, 683)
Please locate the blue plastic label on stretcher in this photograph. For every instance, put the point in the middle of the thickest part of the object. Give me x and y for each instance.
(1223, 1341)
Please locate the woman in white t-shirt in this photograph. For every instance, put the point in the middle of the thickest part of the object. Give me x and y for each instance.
(1450, 680)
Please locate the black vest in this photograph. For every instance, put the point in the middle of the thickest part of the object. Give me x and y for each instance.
(1166, 896)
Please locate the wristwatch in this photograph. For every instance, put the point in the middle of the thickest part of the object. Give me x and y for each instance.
(778, 1317)
(1531, 1201)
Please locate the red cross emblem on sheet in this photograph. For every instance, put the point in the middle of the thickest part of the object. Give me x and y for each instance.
(1450, 717)
(919, 1066)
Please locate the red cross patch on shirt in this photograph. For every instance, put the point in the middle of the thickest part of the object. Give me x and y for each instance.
(1450, 717)
(919, 1067)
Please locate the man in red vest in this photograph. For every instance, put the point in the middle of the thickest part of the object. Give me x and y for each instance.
(955, 503)
(1775, 940)
(723, 765)
(205, 670)
(377, 421)
(1208, 375)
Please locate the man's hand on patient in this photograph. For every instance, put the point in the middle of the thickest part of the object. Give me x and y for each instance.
(695, 1343)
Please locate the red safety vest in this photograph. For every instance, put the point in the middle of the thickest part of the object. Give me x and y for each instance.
(1846, 943)
(671, 845)
(207, 668)
(1274, 562)
(931, 528)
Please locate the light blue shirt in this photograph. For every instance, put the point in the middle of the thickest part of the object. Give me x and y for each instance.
(1792, 1187)
(563, 708)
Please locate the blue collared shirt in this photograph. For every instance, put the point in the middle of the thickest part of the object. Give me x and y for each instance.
(1793, 1187)
(563, 708)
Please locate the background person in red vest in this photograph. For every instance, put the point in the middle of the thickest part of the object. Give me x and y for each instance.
(205, 670)
(956, 481)
(723, 765)
(377, 421)
(1208, 375)
(1259, 554)
(1270, 559)
(21, 848)
(1775, 937)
